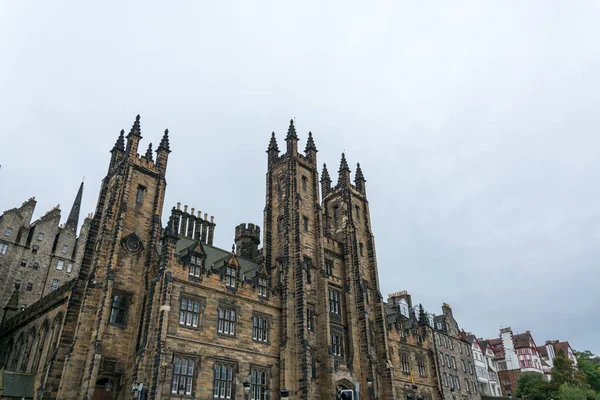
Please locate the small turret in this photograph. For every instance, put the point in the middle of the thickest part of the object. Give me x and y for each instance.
(247, 239)
(311, 149)
(133, 138)
(359, 180)
(325, 181)
(292, 139)
(344, 173)
(118, 150)
(273, 150)
(162, 152)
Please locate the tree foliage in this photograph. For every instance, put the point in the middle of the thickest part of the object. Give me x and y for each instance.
(535, 386)
(589, 365)
(570, 392)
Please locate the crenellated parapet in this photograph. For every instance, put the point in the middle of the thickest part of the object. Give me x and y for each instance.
(192, 224)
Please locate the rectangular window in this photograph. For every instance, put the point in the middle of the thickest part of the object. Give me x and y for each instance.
(17, 284)
(463, 365)
(328, 267)
(262, 287)
(467, 386)
(471, 367)
(304, 183)
(141, 192)
(34, 249)
(451, 379)
(118, 311)
(69, 267)
(189, 312)
(40, 236)
(310, 315)
(457, 381)
(453, 362)
(448, 361)
(441, 357)
(357, 211)
(337, 347)
(230, 277)
(334, 301)
(226, 323)
(260, 329)
(451, 344)
(305, 219)
(421, 366)
(23, 262)
(460, 347)
(468, 350)
(336, 212)
(404, 362)
(64, 249)
(183, 376)
(361, 247)
(60, 265)
(3, 248)
(195, 265)
(445, 379)
(258, 384)
(223, 382)
(54, 284)
(29, 287)
(7, 232)
(475, 387)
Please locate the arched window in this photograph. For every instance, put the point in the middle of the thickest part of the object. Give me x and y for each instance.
(56, 327)
(41, 344)
(27, 350)
(16, 355)
(403, 306)
(5, 353)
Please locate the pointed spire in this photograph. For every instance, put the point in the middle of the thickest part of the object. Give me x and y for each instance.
(359, 173)
(135, 128)
(120, 143)
(344, 164)
(325, 175)
(73, 219)
(273, 144)
(310, 144)
(13, 303)
(291, 131)
(164, 142)
(149, 153)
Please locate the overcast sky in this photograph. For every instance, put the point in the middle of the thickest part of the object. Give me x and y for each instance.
(476, 124)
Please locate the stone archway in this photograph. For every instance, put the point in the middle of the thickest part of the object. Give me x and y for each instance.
(106, 389)
(345, 384)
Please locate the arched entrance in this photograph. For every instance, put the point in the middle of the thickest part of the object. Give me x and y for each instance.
(106, 389)
(344, 384)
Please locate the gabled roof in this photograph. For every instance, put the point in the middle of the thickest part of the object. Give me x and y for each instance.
(543, 352)
(523, 340)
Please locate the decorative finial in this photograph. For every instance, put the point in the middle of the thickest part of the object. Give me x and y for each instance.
(149, 153)
(344, 164)
(310, 143)
(359, 174)
(291, 131)
(120, 143)
(164, 143)
(325, 175)
(273, 144)
(135, 128)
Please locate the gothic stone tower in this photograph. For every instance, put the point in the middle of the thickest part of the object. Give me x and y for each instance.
(321, 257)
(103, 317)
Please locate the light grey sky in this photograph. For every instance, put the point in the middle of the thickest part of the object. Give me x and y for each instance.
(476, 125)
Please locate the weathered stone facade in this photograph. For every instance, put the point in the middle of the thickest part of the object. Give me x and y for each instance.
(38, 257)
(161, 312)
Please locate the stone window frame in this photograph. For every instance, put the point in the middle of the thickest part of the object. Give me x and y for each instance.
(194, 377)
(3, 248)
(23, 262)
(304, 183)
(29, 286)
(265, 387)
(230, 274)
(69, 268)
(196, 265)
(140, 194)
(334, 304)
(231, 308)
(234, 370)
(40, 236)
(441, 358)
(269, 322)
(54, 285)
(445, 378)
(336, 212)
(337, 343)
(121, 293)
(404, 361)
(329, 265)
(305, 223)
(8, 231)
(64, 249)
(34, 249)
(357, 211)
(310, 317)
(201, 307)
(60, 265)
(421, 366)
(263, 290)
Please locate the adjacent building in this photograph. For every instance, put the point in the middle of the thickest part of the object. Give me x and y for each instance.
(486, 367)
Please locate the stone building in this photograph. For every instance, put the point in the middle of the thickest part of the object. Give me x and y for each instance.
(37, 257)
(454, 358)
(486, 367)
(156, 312)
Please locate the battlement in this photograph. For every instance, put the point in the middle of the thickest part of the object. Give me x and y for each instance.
(397, 294)
(247, 230)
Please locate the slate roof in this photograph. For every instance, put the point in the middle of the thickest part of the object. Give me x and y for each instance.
(215, 257)
(523, 340)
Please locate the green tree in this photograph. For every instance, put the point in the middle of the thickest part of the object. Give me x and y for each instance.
(534, 387)
(569, 392)
(590, 366)
(564, 372)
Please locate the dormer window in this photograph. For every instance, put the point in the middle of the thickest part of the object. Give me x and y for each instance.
(262, 287)
(403, 306)
(195, 265)
(230, 277)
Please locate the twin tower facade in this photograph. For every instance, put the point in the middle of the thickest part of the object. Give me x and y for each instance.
(160, 312)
